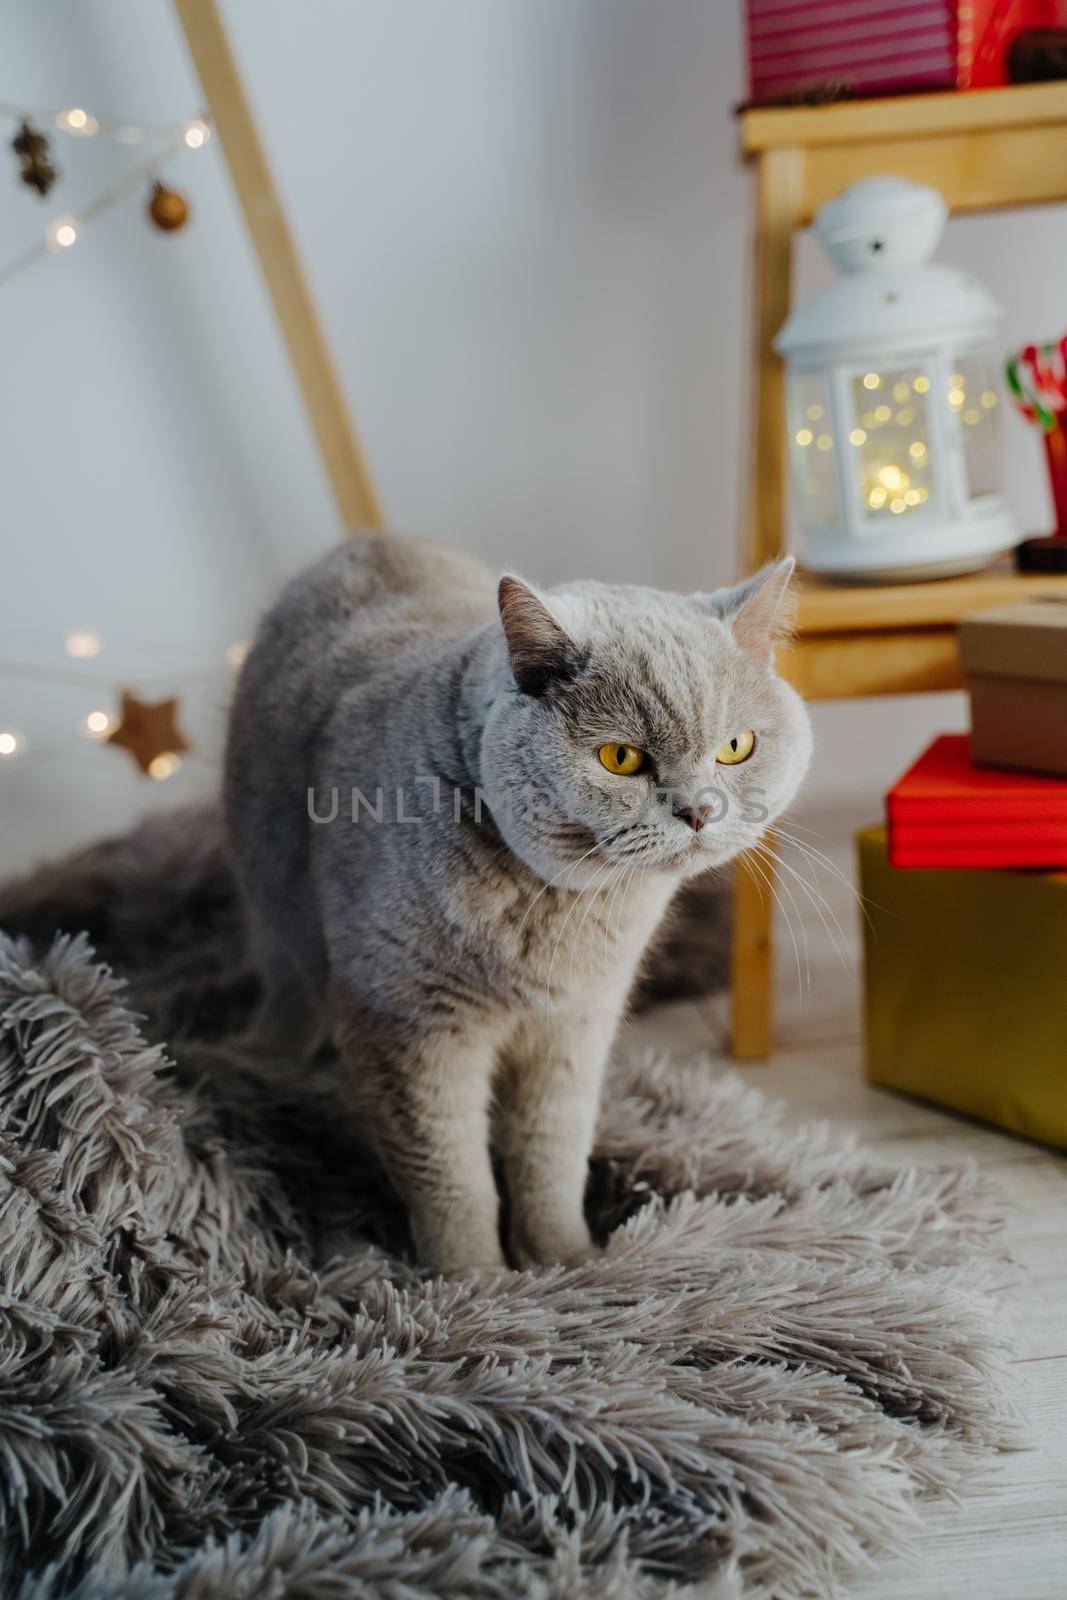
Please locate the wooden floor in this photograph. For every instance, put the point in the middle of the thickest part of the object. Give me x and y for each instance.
(1008, 1541)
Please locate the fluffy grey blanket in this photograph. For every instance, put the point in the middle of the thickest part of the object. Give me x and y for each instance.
(221, 1376)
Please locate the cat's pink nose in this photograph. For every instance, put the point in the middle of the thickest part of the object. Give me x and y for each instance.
(696, 816)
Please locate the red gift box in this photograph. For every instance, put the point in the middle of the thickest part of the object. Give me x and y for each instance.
(946, 812)
(886, 46)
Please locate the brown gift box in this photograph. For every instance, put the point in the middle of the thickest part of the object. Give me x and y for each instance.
(1015, 661)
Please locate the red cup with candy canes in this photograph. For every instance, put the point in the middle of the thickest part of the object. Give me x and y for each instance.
(1037, 378)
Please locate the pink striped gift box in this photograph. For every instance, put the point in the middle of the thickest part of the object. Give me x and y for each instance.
(869, 47)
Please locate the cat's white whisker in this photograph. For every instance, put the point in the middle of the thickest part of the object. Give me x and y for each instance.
(602, 886)
(562, 929)
(786, 890)
(635, 873)
(752, 862)
(817, 859)
(828, 916)
(824, 910)
(618, 898)
(613, 895)
(783, 831)
(571, 867)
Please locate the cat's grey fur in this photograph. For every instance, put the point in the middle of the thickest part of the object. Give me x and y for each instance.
(471, 952)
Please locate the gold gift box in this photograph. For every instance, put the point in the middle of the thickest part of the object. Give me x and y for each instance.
(966, 989)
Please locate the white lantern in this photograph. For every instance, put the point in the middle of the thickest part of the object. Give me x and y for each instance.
(892, 397)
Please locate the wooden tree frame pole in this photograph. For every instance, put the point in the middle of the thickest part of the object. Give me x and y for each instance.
(778, 195)
(294, 308)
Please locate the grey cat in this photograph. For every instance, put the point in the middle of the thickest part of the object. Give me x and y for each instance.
(458, 811)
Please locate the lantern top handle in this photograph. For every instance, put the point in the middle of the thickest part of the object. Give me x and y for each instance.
(880, 224)
(889, 301)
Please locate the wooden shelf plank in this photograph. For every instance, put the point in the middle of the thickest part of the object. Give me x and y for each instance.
(1022, 166)
(848, 666)
(825, 608)
(904, 116)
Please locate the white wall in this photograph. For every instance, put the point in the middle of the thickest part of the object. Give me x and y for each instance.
(527, 230)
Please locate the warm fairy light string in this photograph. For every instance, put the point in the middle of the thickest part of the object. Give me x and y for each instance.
(81, 124)
(84, 644)
(890, 485)
(60, 234)
(64, 231)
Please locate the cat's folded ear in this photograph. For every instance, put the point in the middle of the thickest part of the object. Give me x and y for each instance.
(540, 650)
(758, 611)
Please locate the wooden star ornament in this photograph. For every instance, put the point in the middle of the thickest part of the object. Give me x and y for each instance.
(148, 732)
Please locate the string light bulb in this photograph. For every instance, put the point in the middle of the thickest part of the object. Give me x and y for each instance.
(165, 765)
(83, 643)
(196, 134)
(61, 233)
(97, 724)
(10, 743)
(77, 121)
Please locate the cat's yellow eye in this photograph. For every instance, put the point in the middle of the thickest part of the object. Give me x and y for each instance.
(736, 750)
(624, 760)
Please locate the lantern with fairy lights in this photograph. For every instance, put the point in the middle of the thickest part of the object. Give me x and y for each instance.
(892, 397)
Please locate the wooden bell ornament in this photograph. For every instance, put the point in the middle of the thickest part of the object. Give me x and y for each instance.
(167, 209)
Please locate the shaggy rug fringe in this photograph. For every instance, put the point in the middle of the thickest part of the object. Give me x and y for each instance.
(221, 1376)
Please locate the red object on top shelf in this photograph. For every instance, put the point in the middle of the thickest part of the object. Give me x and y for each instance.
(871, 47)
(946, 812)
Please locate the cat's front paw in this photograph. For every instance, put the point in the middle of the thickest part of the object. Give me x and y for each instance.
(461, 1258)
(478, 1272)
(563, 1248)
